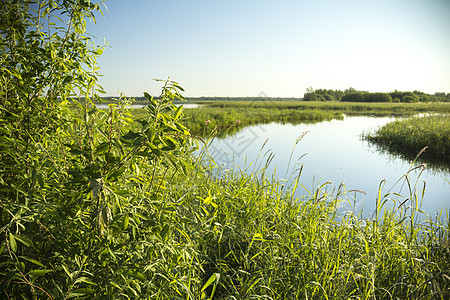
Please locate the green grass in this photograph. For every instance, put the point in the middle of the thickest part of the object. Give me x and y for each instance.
(409, 136)
(254, 239)
(201, 121)
(227, 117)
(169, 227)
(264, 242)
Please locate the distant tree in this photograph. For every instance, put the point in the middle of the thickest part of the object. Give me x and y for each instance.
(396, 94)
(424, 98)
(353, 97)
(350, 90)
(411, 96)
(377, 97)
(322, 95)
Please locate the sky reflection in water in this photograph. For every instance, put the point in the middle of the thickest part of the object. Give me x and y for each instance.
(331, 151)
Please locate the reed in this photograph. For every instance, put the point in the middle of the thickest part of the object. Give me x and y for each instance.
(241, 234)
(409, 136)
(264, 242)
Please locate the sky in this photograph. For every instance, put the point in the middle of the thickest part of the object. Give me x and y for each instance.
(279, 48)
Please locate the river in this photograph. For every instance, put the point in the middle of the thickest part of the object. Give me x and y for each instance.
(333, 151)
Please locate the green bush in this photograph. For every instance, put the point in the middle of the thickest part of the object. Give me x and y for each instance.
(410, 99)
(377, 97)
(81, 211)
(353, 97)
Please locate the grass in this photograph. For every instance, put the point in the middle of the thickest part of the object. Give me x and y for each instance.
(227, 117)
(267, 244)
(205, 120)
(409, 136)
(244, 235)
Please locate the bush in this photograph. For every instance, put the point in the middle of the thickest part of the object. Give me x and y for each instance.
(377, 97)
(410, 99)
(353, 97)
(407, 97)
(80, 205)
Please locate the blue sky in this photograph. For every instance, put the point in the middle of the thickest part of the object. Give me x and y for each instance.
(241, 48)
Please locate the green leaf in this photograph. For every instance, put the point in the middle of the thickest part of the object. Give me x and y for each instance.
(146, 95)
(26, 241)
(85, 280)
(164, 231)
(183, 167)
(12, 243)
(102, 148)
(214, 278)
(137, 275)
(80, 292)
(178, 87)
(32, 261)
(20, 266)
(178, 112)
(126, 220)
(39, 272)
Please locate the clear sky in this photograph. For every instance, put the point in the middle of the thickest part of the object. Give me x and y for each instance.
(241, 48)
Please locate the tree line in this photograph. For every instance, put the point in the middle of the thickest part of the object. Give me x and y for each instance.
(348, 95)
(352, 95)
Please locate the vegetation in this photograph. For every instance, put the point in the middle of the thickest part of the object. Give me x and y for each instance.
(94, 207)
(263, 241)
(409, 136)
(325, 95)
(352, 95)
(367, 97)
(205, 120)
(228, 116)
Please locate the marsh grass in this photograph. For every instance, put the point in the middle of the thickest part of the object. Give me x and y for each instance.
(345, 107)
(227, 117)
(409, 136)
(202, 121)
(218, 233)
(266, 243)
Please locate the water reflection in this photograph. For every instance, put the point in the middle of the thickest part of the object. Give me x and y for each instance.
(332, 151)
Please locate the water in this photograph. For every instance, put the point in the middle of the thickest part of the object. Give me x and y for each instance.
(332, 151)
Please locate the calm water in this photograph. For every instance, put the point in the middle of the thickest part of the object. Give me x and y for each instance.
(331, 151)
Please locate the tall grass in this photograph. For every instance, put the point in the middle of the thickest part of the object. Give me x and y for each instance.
(409, 136)
(203, 121)
(265, 243)
(244, 235)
